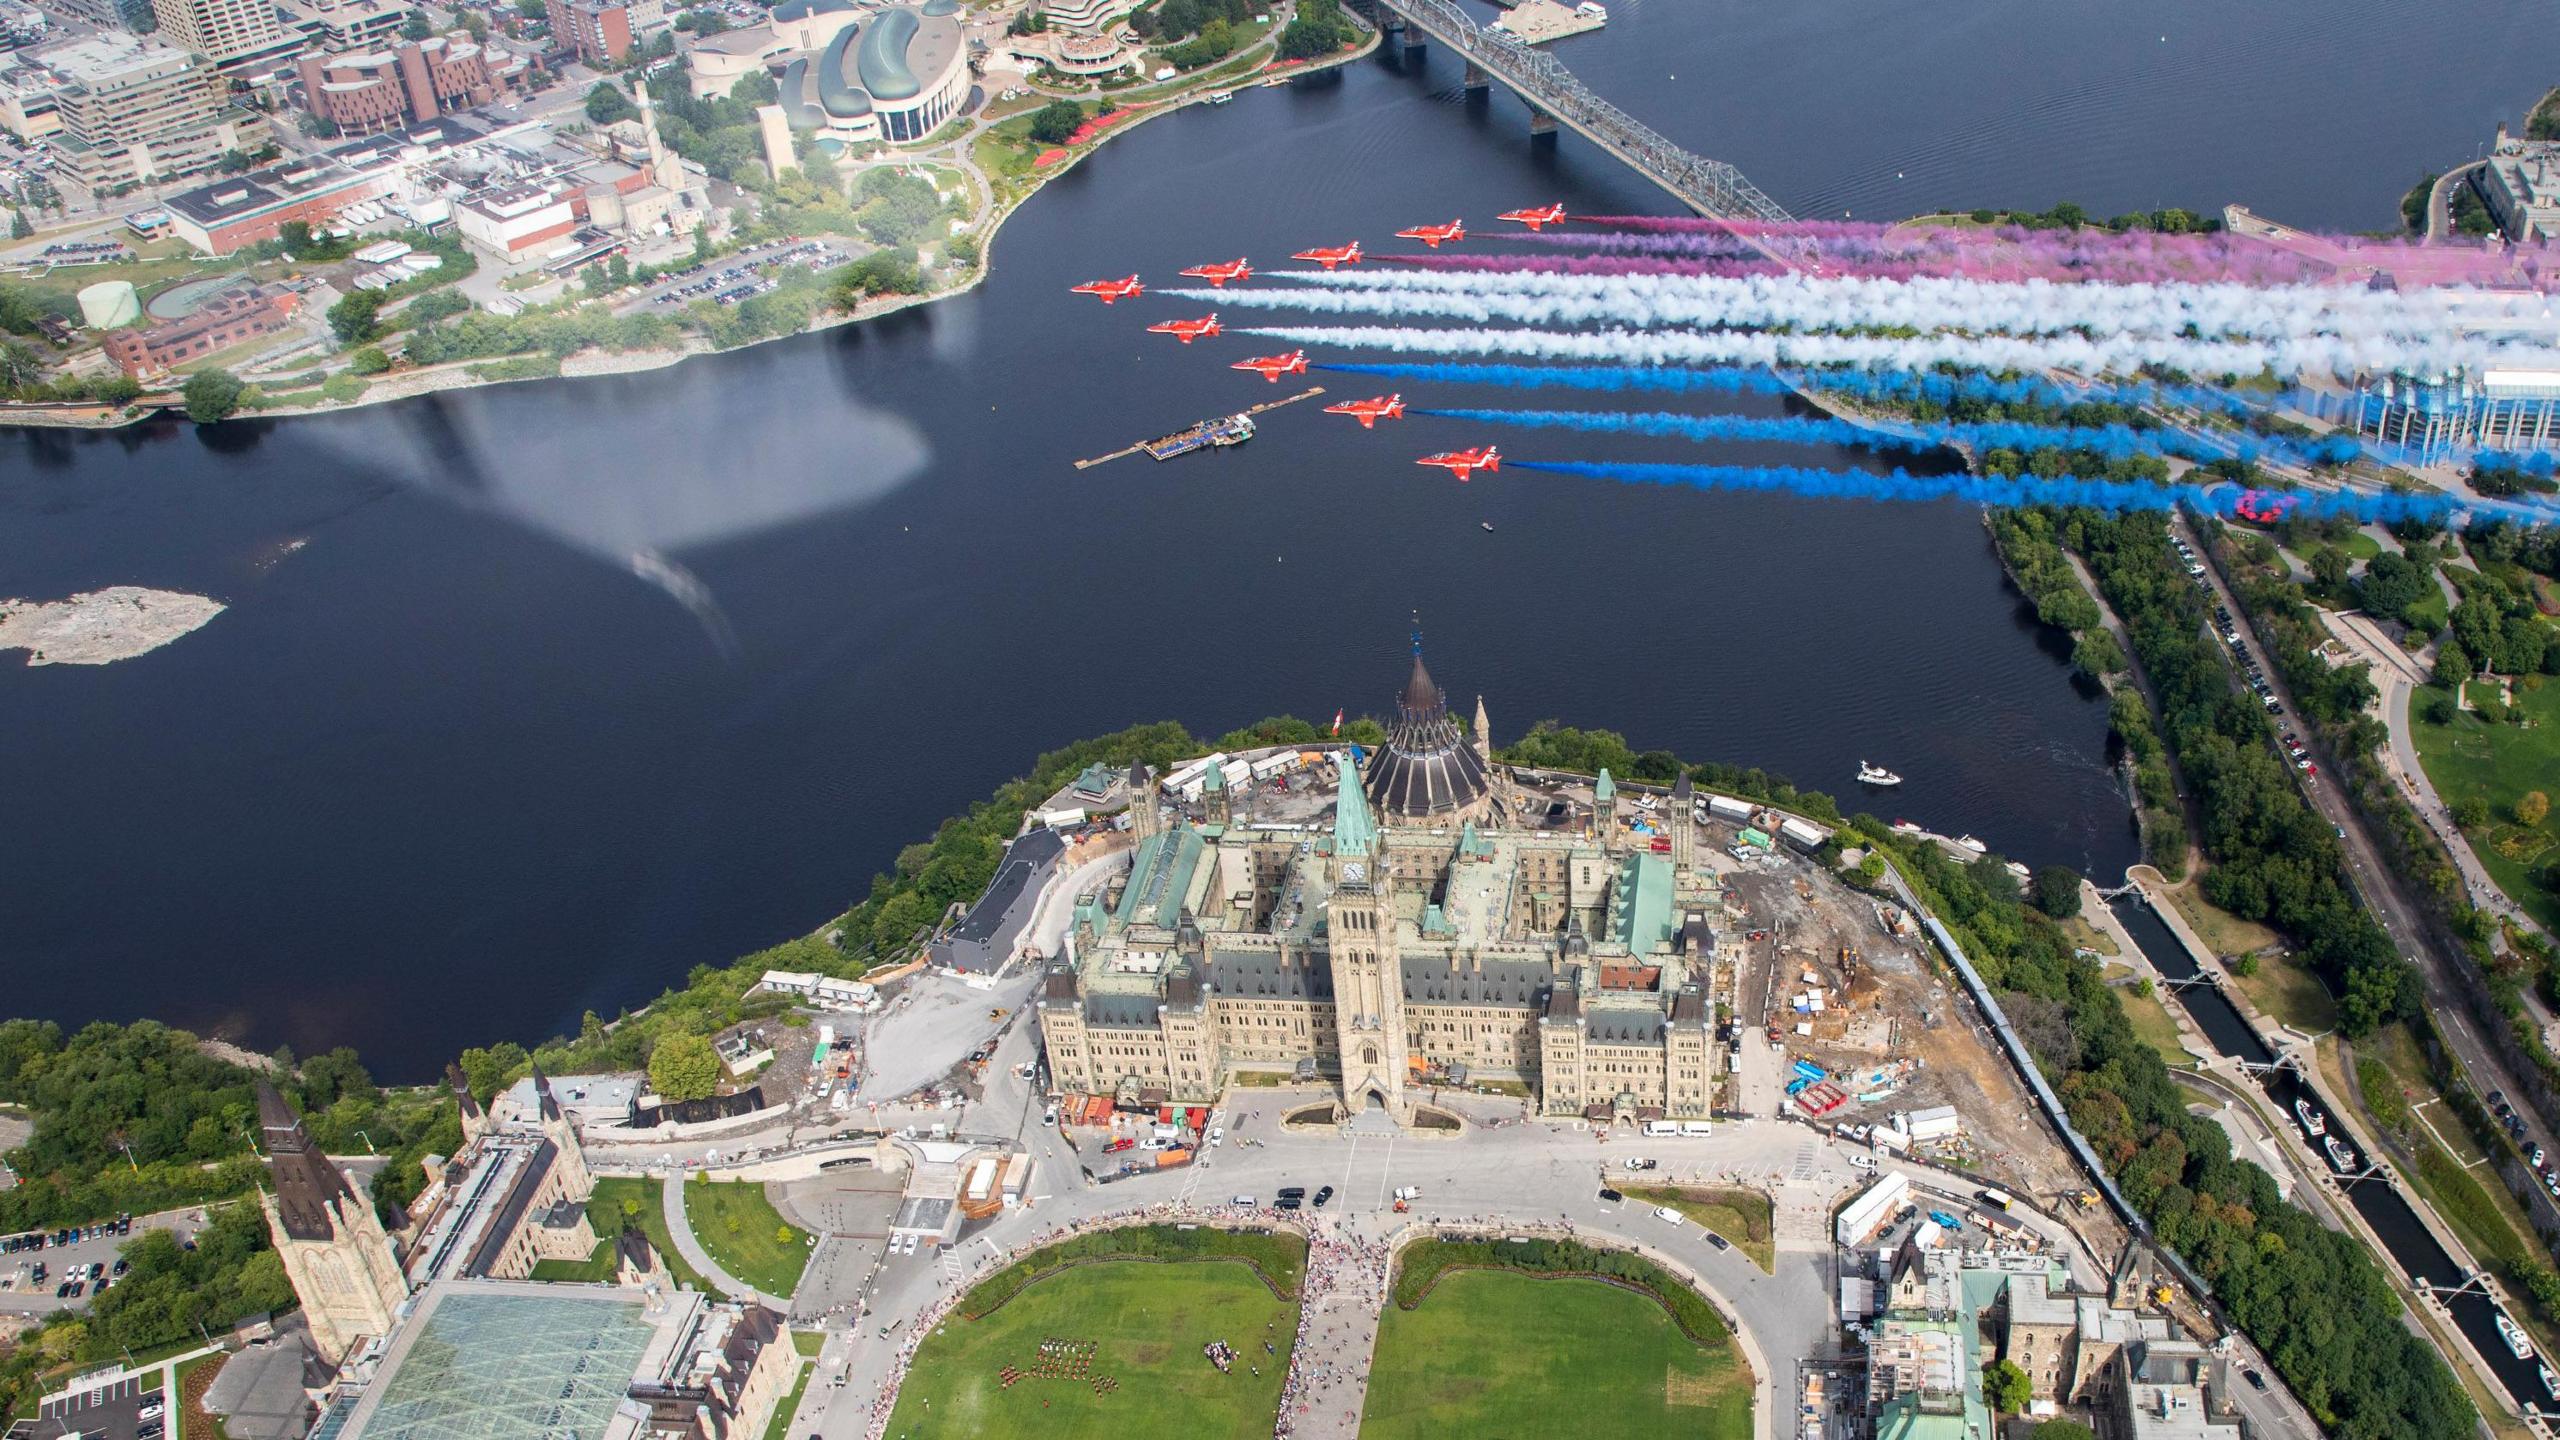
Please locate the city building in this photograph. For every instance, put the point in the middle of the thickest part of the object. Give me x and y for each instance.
(231, 318)
(894, 77)
(412, 81)
(334, 1250)
(237, 211)
(513, 1197)
(2440, 415)
(519, 221)
(30, 104)
(715, 64)
(346, 24)
(593, 30)
(2165, 1390)
(133, 111)
(2521, 183)
(236, 35)
(1409, 936)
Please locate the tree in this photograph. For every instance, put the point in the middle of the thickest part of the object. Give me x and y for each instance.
(2058, 891)
(2062, 1430)
(2006, 1387)
(2453, 665)
(19, 229)
(2329, 567)
(2439, 710)
(20, 366)
(684, 1067)
(417, 26)
(2391, 585)
(2533, 808)
(116, 389)
(369, 361)
(211, 394)
(357, 318)
(1056, 121)
(606, 104)
(2470, 812)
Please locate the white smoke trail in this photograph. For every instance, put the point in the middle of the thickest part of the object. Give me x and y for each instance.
(1741, 347)
(2217, 330)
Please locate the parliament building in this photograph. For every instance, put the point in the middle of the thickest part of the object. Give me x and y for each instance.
(1440, 925)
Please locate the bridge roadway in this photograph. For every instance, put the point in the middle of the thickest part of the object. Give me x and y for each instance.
(1710, 187)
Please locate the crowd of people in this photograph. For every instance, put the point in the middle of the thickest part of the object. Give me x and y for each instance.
(1330, 1355)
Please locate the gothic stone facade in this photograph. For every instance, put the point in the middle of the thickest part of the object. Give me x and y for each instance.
(1393, 949)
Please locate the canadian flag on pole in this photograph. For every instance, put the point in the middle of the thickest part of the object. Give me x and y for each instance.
(1337, 722)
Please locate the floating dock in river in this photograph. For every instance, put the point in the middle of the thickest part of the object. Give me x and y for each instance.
(1222, 430)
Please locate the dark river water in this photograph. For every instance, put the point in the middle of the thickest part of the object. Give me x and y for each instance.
(446, 771)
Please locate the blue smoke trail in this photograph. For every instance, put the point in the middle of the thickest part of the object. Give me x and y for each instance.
(2115, 497)
(1891, 385)
(2538, 463)
(2111, 442)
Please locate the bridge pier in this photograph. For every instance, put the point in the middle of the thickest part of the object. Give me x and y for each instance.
(1477, 81)
(1540, 122)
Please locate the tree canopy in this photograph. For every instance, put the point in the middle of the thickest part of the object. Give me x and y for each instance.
(683, 1066)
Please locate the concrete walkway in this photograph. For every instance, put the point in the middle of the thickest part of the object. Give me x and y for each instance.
(680, 1230)
(1341, 1301)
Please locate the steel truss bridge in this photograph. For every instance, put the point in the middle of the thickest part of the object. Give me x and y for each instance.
(1710, 187)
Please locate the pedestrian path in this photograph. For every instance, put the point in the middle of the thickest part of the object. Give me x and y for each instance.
(680, 1230)
(1340, 1302)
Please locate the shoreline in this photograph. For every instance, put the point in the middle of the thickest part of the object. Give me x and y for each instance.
(599, 363)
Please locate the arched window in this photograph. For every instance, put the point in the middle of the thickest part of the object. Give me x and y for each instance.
(1368, 1054)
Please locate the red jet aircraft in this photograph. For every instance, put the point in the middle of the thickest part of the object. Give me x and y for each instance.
(1465, 463)
(1370, 411)
(1186, 330)
(1536, 219)
(1272, 367)
(1432, 235)
(1328, 257)
(1219, 275)
(1111, 290)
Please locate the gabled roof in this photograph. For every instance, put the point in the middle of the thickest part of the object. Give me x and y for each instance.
(308, 1183)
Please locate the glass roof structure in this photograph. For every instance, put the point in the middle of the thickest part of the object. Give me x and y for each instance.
(510, 1366)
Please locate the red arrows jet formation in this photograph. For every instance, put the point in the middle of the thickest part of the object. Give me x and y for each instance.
(1536, 219)
(1465, 463)
(1186, 330)
(1432, 235)
(1330, 256)
(1370, 411)
(1219, 275)
(1272, 367)
(1111, 290)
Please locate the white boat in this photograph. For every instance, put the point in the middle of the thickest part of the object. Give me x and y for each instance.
(2513, 1334)
(1222, 97)
(2312, 1123)
(1905, 827)
(1589, 11)
(1967, 842)
(1876, 775)
(1487, 524)
(2341, 1155)
(2550, 1382)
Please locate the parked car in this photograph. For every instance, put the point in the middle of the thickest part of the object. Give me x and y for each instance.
(2256, 1380)
(1322, 1196)
(1718, 1241)
(1611, 1197)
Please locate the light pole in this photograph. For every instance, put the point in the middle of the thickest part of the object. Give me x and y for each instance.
(368, 1143)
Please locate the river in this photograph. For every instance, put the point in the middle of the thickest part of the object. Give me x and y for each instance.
(446, 771)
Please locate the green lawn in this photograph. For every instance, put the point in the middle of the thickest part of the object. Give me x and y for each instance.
(1494, 1355)
(2472, 759)
(780, 1426)
(1146, 1323)
(2158, 1029)
(596, 1269)
(642, 1202)
(1741, 1216)
(746, 1234)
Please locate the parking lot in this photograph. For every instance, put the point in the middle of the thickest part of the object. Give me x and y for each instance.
(66, 1263)
(123, 1410)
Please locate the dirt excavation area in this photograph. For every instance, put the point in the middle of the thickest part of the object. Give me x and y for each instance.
(1879, 1039)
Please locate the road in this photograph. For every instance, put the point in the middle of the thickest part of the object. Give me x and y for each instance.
(2382, 892)
(2440, 199)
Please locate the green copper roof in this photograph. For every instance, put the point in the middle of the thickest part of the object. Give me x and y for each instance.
(1161, 877)
(1354, 833)
(1435, 921)
(1604, 789)
(1640, 911)
(1216, 779)
(1473, 846)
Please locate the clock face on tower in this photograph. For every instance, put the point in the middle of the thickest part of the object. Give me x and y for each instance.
(1355, 872)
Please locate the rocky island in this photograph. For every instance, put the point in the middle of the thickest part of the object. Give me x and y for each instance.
(101, 627)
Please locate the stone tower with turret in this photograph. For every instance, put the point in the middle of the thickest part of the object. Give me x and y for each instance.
(334, 1250)
(571, 1164)
(1368, 984)
(1217, 801)
(1145, 816)
(475, 1121)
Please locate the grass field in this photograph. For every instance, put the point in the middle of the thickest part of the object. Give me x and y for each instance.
(746, 1234)
(640, 1201)
(1146, 1323)
(2158, 1029)
(2472, 759)
(2222, 932)
(779, 1428)
(1493, 1355)
(2285, 988)
(1741, 1216)
(596, 1269)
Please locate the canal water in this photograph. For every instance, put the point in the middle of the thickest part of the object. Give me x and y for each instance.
(2384, 1208)
(454, 767)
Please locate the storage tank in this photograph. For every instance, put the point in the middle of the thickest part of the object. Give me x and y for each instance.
(109, 304)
